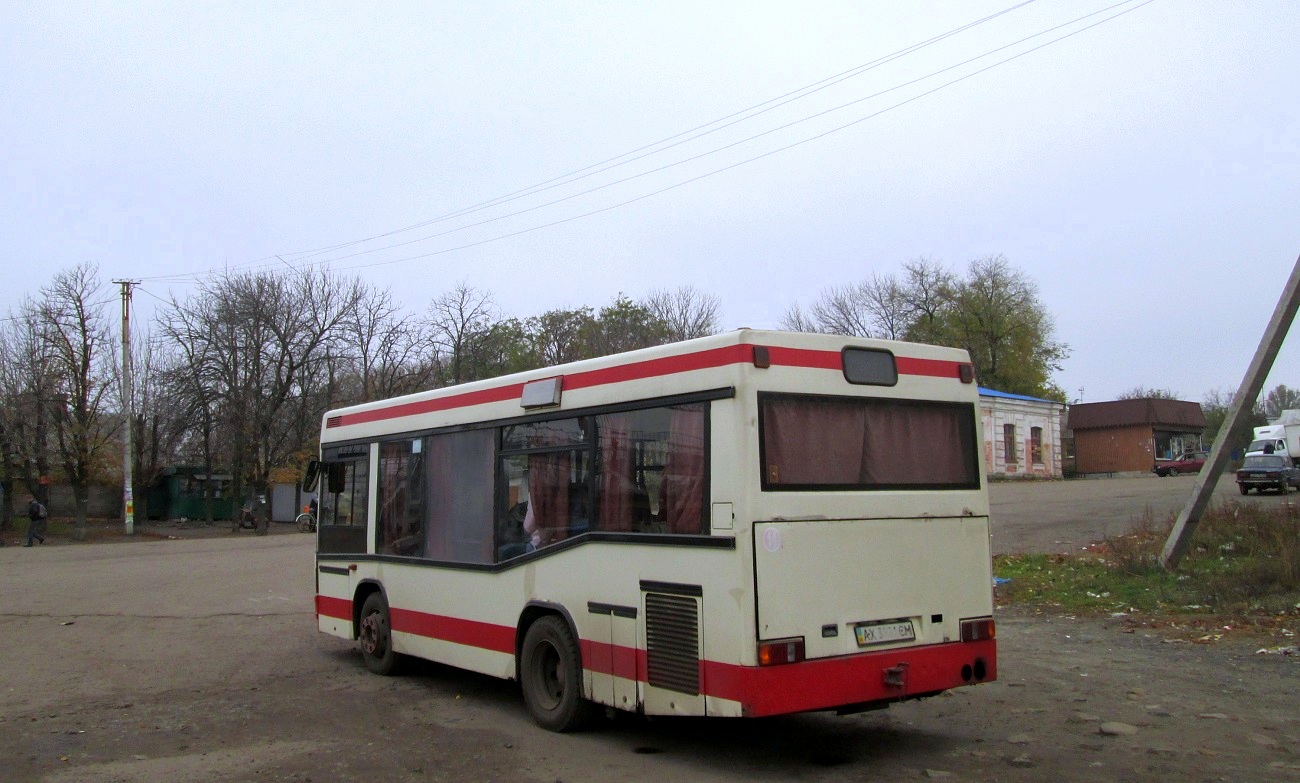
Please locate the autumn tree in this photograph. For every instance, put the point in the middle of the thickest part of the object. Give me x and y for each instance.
(994, 312)
(556, 335)
(622, 325)
(1278, 399)
(1215, 405)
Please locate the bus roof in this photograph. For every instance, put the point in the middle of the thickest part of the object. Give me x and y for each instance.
(675, 368)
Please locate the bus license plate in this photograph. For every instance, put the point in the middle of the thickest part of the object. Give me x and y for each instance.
(879, 633)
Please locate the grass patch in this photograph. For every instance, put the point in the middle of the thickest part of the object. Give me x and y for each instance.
(1243, 566)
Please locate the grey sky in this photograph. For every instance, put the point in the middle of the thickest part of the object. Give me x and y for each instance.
(1146, 172)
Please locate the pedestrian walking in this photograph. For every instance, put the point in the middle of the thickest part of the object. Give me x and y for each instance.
(36, 515)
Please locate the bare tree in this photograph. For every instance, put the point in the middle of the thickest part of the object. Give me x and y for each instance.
(256, 348)
(75, 329)
(27, 392)
(886, 302)
(393, 352)
(456, 319)
(875, 307)
(928, 289)
(842, 310)
(162, 417)
(796, 320)
(686, 312)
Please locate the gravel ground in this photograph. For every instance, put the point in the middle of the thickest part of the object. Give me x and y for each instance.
(191, 655)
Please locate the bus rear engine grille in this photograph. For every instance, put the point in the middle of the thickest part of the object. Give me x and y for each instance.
(673, 642)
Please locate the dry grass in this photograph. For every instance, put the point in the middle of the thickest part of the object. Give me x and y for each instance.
(1244, 561)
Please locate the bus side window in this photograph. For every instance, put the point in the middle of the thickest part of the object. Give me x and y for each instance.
(400, 522)
(459, 518)
(344, 507)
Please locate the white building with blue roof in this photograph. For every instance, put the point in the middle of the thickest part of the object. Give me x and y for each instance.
(1023, 436)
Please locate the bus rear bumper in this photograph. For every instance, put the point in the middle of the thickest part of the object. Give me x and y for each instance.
(854, 681)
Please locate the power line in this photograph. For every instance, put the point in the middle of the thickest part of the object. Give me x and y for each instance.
(743, 162)
(677, 139)
(263, 263)
(596, 168)
(746, 140)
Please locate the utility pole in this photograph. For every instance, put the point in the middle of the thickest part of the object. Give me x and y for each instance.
(1251, 385)
(128, 409)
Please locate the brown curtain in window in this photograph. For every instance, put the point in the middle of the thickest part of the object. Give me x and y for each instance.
(438, 537)
(914, 445)
(548, 494)
(616, 485)
(834, 456)
(682, 495)
(459, 505)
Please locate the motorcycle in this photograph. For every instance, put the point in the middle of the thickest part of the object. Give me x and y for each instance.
(253, 516)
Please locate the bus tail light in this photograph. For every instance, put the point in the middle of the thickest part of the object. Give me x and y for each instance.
(780, 651)
(978, 629)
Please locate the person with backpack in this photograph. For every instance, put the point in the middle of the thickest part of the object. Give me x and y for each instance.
(36, 515)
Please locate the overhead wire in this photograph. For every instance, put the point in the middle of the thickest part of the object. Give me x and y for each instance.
(677, 139)
(754, 137)
(532, 190)
(636, 154)
(752, 159)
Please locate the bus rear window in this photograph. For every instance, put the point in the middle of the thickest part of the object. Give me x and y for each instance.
(846, 443)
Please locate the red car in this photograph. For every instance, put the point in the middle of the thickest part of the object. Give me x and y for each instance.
(1191, 462)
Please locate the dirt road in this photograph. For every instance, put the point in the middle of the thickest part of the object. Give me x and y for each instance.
(196, 660)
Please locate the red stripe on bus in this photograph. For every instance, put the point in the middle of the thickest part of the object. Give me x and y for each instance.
(817, 684)
(656, 368)
(934, 368)
(465, 400)
(471, 633)
(651, 368)
(613, 659)
(338, 608)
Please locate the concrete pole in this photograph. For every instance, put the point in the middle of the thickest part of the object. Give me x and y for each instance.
(128, 411)
(1251, 385)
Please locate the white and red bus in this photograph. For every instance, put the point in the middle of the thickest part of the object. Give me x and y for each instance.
(748, 524)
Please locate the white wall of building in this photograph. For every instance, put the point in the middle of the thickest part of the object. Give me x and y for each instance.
(1027, 417)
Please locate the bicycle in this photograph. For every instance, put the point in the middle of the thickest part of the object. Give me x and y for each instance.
(306, 523)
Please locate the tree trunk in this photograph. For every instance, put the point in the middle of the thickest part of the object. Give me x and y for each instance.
(81, 503)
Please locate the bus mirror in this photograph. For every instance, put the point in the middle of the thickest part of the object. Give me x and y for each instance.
(337, 474)
(311, 476)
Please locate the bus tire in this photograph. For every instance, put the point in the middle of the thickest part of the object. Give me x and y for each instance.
(376, 636)
(550, 676)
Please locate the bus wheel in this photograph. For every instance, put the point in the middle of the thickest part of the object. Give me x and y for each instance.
(551, 676)
(376, 636)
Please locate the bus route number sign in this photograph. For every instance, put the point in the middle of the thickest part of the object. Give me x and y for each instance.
(888, 631)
